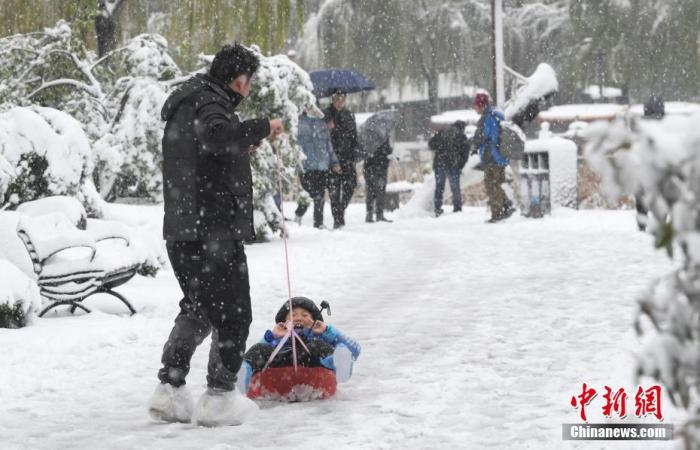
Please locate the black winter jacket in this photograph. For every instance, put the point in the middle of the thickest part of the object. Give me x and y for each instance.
(344, 135)
(207, 178)
(451, 147)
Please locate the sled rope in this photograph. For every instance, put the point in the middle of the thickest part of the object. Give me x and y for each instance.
(289, 324)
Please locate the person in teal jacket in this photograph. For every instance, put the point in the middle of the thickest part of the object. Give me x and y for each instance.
(315, 140)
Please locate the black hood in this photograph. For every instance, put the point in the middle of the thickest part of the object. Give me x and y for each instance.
(195, 84)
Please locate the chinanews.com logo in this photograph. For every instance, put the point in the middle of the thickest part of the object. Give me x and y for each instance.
(647, 403)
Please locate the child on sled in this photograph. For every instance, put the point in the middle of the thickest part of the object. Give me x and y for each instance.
(329, 349)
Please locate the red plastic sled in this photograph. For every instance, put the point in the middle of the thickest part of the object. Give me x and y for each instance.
(284, 384)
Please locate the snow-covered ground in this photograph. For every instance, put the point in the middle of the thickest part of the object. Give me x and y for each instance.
(473, 336)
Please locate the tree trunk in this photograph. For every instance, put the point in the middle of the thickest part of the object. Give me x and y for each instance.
(433, 99)
(106, 25)
(105, 28)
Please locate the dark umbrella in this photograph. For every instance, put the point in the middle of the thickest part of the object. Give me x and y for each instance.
(376, 131)
(329, 81)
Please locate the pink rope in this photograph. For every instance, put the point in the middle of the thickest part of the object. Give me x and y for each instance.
(289, 324)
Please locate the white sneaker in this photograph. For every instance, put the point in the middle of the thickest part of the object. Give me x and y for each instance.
(217, 407)
(342, 360)
(171, 404)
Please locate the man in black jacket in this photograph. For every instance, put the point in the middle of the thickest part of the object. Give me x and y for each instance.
(451, 148)
(344, 139)
(208, 193)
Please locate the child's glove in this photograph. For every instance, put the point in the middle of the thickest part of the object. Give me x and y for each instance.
(279, 330)
(319, 327)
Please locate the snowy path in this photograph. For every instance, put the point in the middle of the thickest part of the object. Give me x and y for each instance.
(473, 335)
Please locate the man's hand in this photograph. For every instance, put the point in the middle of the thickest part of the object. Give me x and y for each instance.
(276, 128)
(253, 148)
(279, 331)
(319, 327)
(336, 168)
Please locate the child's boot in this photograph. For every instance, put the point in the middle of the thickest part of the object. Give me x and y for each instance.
(342, 360)
(245, 373)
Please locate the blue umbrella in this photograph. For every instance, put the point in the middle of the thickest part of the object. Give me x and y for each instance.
(329, 81)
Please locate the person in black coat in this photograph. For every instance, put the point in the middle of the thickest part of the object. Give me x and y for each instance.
(345, 145)
(451, 148)
(208, 194)
(376, 170)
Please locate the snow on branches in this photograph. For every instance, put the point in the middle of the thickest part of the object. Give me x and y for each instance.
(117, 99)
(659, 161)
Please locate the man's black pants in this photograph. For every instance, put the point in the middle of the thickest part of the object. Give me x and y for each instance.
(213, 276)
(342, 188)
(375, 183)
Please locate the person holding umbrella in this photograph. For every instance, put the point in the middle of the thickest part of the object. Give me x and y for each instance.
(375, 136)
(345, 144)
(376, 170)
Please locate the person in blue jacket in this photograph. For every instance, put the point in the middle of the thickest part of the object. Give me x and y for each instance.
(328, 347)
(315, 140)
(487, 142)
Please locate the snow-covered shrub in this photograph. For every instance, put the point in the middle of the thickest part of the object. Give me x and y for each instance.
(19, 297)
(129, 157)
(281, 89)
(660, 162)
(116, 99)
(50, 155)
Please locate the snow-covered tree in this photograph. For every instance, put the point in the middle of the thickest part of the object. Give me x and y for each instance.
(660, 161)
(116, 98)
(52, 68)
(128, 155)
(390, 41)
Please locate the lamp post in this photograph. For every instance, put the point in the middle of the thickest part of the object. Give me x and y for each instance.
(498, 60)
(599, 64)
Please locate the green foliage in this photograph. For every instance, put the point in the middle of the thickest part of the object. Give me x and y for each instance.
(12, 316)
(147, 270)
(31, 182)
(664, 238)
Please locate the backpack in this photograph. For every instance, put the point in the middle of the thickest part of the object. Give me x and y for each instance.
(512, 141)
